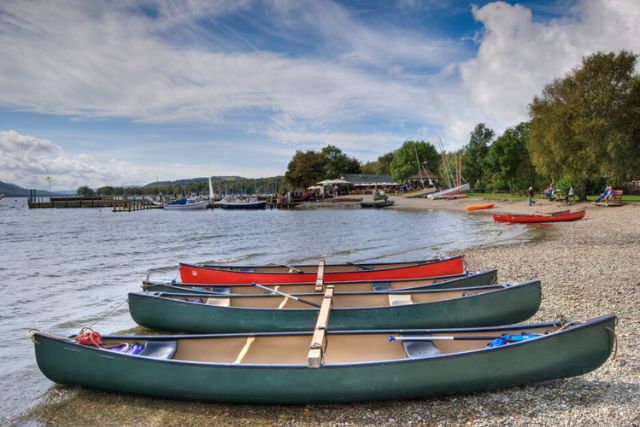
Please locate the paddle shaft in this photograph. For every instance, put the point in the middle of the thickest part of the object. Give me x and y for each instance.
(360, 266)
(446, 338)
(297, 270)
(266, 288)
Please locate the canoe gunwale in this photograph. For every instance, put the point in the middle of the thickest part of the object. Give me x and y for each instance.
(497, 289)
(316, 294)
(416, 360)
(332, 282)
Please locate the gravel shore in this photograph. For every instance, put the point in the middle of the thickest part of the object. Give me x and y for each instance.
(588, 268)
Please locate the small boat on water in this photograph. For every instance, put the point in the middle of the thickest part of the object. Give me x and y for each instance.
(186, 203)
(478, 207)
(481, 278)
(329, 367)
(376, 204)
(349, 272)
(539, 217)
(279, 312)
(242, 203)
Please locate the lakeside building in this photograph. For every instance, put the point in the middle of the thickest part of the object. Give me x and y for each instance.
(366, 183)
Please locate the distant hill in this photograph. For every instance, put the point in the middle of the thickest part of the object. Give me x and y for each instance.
(12, 190)
(187, 181)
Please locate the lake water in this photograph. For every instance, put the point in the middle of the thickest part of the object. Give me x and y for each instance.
(67, 268)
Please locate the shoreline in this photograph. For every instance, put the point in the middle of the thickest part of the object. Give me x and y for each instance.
(588, 268)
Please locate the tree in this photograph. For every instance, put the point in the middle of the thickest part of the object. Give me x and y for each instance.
(405, 160)
(338, 163)
(369, 168)
(508, 160)
(383, 165)
(84, 191)
(305, 169)
(475, 153)
(107, 191)
(585, 125)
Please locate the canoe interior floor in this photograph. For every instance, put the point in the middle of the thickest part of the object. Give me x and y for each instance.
(313, 269)
(340, 348)
(339, 300)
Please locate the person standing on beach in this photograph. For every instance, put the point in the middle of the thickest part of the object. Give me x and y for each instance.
(530, 196)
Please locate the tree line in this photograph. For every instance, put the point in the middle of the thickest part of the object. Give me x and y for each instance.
(584, 132)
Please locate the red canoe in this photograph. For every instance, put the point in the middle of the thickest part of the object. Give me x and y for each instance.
(232, 275)
(552, 217)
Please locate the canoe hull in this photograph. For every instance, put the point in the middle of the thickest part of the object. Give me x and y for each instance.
(531, 219)
(510, 305)
(478, 207)
(190, 273)
(566, 354)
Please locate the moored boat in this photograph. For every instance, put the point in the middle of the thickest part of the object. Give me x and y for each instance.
(242, 203)
(186, 203)
(355, 366)
(480, 278)
(276, 312)
(233, 275)
(377, 204)
(535, 218)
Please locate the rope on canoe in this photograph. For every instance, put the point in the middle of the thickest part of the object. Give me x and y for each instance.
(615, 342)
(108, 314)
(31, 332)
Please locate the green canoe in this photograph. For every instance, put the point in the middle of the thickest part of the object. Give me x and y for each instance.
(358, 365)
(481, 278)
(447, 308)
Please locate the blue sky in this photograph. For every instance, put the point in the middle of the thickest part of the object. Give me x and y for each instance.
(118, 93)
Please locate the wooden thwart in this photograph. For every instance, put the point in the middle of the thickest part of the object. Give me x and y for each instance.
(318, 342)
(245, 349)
(320, 277)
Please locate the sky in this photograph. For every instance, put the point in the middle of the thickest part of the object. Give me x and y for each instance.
(126, 92)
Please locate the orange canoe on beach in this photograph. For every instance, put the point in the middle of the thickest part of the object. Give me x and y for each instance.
(477, 207)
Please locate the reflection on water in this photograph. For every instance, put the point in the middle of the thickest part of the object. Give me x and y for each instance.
(67, 268)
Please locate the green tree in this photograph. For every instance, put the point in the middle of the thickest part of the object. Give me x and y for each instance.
(338, 163)
(305, 169)
(383, 165)
(85, 191)
(475, 153)
(405, 160)
(585, 125)
(369, 168)
(106, 191)
(508, 160)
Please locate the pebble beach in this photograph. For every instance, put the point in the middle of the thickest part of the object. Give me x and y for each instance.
(588, 268)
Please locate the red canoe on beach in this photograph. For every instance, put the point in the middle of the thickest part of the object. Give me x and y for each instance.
(551, 217)
(236, 275)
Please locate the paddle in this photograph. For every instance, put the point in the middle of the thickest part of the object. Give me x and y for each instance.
(360, 266)
(463, 338)
(297, 270)
(273, 291)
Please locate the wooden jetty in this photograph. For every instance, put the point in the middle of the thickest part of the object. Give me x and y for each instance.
(117, 204)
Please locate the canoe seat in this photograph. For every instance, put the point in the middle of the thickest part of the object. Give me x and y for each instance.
(159, 349)
(417, 349)
(221, 302)
(380, 286)
(400, 299)
(219, 290)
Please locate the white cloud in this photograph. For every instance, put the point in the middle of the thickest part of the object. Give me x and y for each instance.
(518, 55)
(27, 161)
